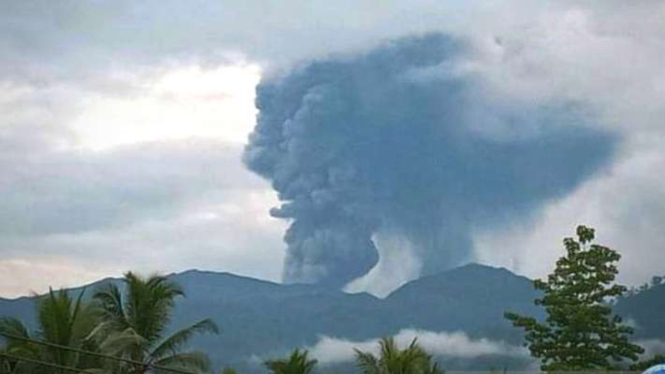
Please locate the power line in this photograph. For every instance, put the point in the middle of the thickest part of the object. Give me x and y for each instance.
(90, 353)
(58, 346)
(43, 363)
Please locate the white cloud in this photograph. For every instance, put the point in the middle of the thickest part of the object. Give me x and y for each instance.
(604, 58)
(165, 206)
(330, 350)
(188, 101)
(228, 234)
(127, 165)
(33, 274)
(626, 205)
(398, 264)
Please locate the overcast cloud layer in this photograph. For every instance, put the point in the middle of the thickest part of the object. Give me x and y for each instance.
(112, 159)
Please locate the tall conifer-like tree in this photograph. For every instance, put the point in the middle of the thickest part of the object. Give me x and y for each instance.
(580, 331)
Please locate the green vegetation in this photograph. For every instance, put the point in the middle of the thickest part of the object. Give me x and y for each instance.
(296, 363)
(229, 370)
(133, 327)
(62, 322)
(644, 365)
(392, 360)
(580, 332)
(130, 327)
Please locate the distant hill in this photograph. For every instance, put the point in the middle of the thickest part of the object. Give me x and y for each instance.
(472, 298)
(647, 310)
(261, 319)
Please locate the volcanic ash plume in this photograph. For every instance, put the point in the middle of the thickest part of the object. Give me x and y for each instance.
(390, 142)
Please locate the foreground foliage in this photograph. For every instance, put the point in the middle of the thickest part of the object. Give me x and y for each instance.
(62, 321)
(580, 332)
(133, 326)
(646, 364)
(297, 363)
(392, 360)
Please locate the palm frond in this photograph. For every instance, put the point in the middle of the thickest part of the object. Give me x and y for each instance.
(126, 341)
(109, 300)
(191, 361)
(13, 326)
(180, 338)
(133, 324)
(149, 303)
(297, 363)
(367, 362)
(277, 367)
(393, 360)
(18, 346)
(229, 370)
(56, 319)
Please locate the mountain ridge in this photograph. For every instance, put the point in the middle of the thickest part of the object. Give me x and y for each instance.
(195, 271)
(260, 318)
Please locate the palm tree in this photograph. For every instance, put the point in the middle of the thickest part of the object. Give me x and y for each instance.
(392, 360)
(297, 363)
(134, 325)
(229, 370)
(7, 365)
(62, 321)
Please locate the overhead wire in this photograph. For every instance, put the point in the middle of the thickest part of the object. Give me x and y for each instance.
(81, 351)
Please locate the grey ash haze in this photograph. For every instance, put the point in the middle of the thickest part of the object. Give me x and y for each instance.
(376, 144)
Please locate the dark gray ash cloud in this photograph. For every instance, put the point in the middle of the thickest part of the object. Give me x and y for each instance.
(377, 143)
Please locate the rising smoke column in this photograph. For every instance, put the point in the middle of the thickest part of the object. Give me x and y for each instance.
(375, 143)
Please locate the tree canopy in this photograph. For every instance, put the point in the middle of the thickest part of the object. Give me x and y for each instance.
(393, 360)
(580, 331)
(62, 321)
(297, 363)
(134, 326)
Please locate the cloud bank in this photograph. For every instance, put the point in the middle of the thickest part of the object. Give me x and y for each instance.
(329, 350)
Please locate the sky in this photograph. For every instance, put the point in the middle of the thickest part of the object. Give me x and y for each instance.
(124, 126)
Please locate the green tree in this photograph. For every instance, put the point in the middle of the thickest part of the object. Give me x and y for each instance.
(229, 370)
(392, 360)
(62, 321)
(646, 364)
(297, 363)
(133, 326)
(580, 332)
